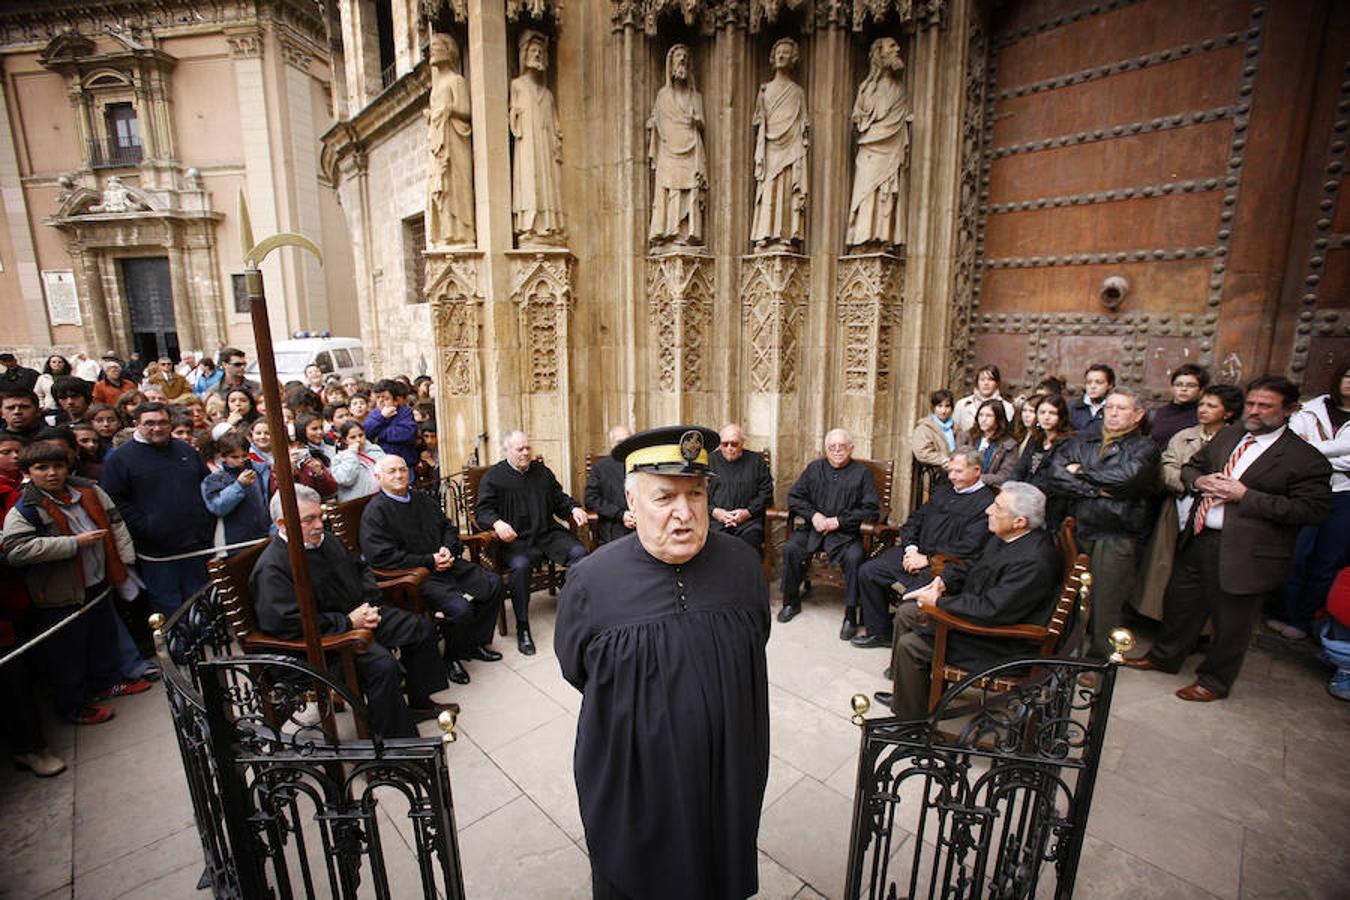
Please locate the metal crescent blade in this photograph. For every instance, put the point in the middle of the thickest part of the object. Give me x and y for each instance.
(256, 254)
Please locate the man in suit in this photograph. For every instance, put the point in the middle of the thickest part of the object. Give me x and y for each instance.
(1259, 483)
(1013, 582)
(952, 523)
(833, 497)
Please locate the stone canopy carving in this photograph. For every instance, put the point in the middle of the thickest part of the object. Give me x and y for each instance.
(536, 165)
(882, 117)
(676, 153)
(450, 202)
(782, 134)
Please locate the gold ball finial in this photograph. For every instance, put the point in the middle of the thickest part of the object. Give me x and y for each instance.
(1085, 579)
(447, 720)
(860, 705)
(156, 621)
(1122, 641)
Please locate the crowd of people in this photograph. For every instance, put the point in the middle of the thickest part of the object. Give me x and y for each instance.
(118, 483)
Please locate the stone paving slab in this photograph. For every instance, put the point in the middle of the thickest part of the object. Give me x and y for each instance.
(1247, 798)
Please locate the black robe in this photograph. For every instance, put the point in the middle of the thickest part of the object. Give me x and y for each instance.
(604, 496)
(744, 484)
(949, 523)
(849, 492)
(1010, 584)
(398, 535)
(672, 747)
(527, 501)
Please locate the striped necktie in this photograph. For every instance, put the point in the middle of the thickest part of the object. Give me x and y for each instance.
(1207, 503)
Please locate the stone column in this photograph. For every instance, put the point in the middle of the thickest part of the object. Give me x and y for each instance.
(455, 292)
(773, 295)
(680, 291)
(93, 305)
(303, 174)
(867, 312)
(541, 289)
(184, 318)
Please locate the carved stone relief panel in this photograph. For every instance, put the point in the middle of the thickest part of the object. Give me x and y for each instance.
(773, 305)
(541, 288)
(960, 368)
(867, 306)
(456, 296)
(679, 308)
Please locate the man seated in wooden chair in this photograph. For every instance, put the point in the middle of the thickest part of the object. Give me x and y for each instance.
(405, 529)
(521, 500)
(952, 523)
(604, 493)
(345, 597)
(1013, 582)
(833, 496)
(742, 489)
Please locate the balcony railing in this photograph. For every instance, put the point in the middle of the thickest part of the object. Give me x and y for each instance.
(109, 153)
(388, 75)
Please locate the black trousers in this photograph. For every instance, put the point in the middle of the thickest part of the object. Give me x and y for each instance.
(795, 557)
(468, 596)
(380, 673)
(751, 531)
(1194, 595)
(875, 578)
(520, 556)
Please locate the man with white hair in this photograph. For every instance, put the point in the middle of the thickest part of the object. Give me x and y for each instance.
(1015, 581)
(345, 597)
(664, 636)
(405, 529)
(521, 501)
(834, 496)
(604, 493)
(742, 489)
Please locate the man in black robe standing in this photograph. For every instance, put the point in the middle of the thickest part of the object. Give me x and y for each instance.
(952, 523)
(1015, 581)
(519, 499)
(741, 490)
(405, 529)
(604, 493)
(833, 497)
(345, 597)
(664, 636)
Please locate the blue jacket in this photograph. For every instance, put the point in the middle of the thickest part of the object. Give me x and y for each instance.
(397, 435)
(242, 507)
(158, 492)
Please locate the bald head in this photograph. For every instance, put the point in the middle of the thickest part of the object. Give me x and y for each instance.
(618, 434)
(838, 447)
(391, 474)
(732, 442)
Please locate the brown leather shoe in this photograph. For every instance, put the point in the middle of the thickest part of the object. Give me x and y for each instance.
(1198, 693)
(1139, 662)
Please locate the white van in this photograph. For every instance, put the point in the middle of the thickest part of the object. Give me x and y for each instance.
(333, 355)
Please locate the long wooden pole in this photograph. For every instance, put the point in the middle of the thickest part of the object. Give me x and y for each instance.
(281, 467)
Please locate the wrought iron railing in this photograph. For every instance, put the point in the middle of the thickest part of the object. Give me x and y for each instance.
(108, 153)
(997, 809)
(283, 806)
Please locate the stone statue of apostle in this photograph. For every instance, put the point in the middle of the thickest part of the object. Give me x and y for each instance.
(536, 166)
(675, 149)
(782, 133)
(882, 115)
(450, 210)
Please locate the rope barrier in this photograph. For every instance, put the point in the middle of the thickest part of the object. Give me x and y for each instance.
(209, 551)
(55, 627)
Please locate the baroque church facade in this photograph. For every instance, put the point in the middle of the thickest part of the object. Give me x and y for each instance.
(801, 214)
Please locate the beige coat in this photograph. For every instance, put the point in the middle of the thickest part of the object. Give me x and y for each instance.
(1162, 546)
(927, 443)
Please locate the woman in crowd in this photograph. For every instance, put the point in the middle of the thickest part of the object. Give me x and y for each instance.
(125, 403)
(1052, 428)
(1025, 429)
(993, 439)
(56, 367)
(210, 377)
(106, 424)
(987, 383)
(90, 445)
(241, 411)
(215, 409)
(354, 465)
(1219, 405)
(309, 431)
(934, 437)
(112, 385)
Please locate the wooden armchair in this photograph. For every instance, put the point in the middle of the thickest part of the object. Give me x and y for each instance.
(230, 578)
(876, 535)
(546, 574)
(1075, 584)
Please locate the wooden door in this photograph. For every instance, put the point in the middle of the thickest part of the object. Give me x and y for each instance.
(1155, 141)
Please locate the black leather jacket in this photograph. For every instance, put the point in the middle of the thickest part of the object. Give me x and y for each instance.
(1128, 472)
